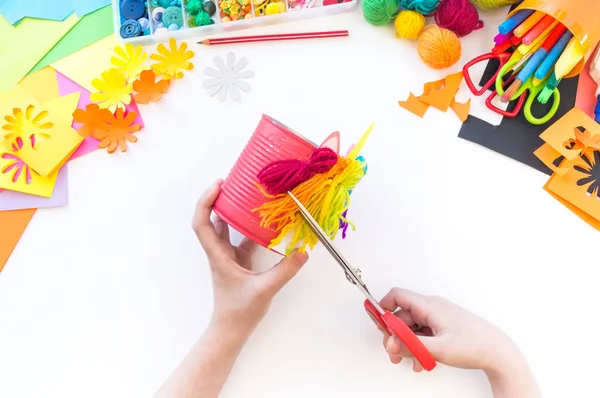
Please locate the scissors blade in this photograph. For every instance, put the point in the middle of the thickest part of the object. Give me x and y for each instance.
(351, 274)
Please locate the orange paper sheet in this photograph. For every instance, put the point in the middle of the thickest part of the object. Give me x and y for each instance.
(441, 99)
(461, 110)
(12, 226)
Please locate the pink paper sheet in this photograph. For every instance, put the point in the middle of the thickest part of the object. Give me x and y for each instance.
(68, 86)
(10, 200)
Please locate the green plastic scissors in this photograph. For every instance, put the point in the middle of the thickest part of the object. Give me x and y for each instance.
(526, 100)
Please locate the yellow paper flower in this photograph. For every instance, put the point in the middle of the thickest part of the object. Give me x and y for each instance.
(26, 125)
(113, 90)
(130, 60)
(171, 62)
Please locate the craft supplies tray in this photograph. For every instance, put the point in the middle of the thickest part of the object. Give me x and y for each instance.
(149, 21)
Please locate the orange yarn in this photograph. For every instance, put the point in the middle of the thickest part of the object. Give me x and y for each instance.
(438, 47)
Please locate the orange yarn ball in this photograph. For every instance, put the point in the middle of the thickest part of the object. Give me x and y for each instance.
(438, 47)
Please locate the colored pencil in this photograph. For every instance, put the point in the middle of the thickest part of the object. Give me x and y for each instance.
(274, 37)
(538, 29)
(507, 26)
(568, 59)
(528, 24)
(553, 55)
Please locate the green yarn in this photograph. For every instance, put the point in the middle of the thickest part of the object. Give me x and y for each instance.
(425, 7)
(193, 7)
(380, 12)
(493, 4)
(203, 19)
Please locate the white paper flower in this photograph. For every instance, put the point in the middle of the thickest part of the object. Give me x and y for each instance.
(228, 79)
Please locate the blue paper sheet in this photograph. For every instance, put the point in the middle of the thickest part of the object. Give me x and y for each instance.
(15, 10)
(84, 7)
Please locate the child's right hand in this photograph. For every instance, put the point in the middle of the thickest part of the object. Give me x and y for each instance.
(453, 335)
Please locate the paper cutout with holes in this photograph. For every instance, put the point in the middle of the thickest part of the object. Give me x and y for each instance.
(46, 150)
(130, 60)
(117, 130)
(172, 61)
(16, 175)
(572, 150)
(148, 89)
(113, 90)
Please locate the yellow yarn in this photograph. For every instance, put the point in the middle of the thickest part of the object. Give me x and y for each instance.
(326, 196)
(438, 47)
(409, 24)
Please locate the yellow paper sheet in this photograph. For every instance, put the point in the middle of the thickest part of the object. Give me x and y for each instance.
(50, 153)
(89, 63)
(11, 164)
(41, 84)
(22, 46)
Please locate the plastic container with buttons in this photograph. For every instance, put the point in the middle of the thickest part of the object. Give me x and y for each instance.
(154, 21)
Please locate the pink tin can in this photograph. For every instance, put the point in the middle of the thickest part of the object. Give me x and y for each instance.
(271, 141)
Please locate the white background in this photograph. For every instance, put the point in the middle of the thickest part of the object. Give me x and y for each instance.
(104, 297)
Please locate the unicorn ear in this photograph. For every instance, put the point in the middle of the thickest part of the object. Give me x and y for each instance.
(332, 142)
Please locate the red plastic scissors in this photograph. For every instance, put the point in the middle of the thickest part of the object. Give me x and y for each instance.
(503, 58)
(387, 320)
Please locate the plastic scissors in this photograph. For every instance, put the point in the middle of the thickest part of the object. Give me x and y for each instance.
(388, 321)
(526, 96)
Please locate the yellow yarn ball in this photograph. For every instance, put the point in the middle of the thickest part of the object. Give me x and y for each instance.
(409, 24)
(439, 48)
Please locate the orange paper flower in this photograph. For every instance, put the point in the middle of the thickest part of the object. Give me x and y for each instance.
(171, 62)
(91, 120)
(147, 89)
(117, 129)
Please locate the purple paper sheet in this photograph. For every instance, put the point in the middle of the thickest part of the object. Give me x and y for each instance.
(10, 200)
(68, 86)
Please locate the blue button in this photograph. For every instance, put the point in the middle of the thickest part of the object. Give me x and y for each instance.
(133, 9)
(130, 28)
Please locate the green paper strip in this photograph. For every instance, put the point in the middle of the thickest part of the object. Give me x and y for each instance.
(91, 28)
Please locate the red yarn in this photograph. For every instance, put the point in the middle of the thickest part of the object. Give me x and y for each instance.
(285, 175)
(459, 16)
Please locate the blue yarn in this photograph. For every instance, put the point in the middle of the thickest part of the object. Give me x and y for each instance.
(425, 7)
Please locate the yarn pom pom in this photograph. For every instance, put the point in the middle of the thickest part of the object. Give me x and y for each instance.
(409, 24)
(326, 196)
(493, 4)
(379, 12)
(425, 7)
(439, 48)
(193, 7)
(285, 175)
(460, 16)
(203, 19)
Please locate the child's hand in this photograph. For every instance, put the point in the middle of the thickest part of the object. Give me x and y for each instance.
(453, 335)
(241, 297)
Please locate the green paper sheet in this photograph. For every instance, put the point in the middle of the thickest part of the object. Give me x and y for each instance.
(22, 46)
(90, 29)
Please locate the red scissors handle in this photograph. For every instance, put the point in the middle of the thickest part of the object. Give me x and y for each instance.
(518, 107)
(503, 58)
(394, 326)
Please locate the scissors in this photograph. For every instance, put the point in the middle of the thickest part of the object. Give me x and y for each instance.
(526, 95)
(388, 321)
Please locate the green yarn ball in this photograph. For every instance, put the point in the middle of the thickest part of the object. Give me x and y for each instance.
(203, 19)
(380, 12)
(193, 7)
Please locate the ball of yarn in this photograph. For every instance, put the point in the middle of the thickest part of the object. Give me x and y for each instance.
(439, 48)
(493, 4)
(460, 16)
(379, 12)
(193, 7)
(409, 24)
(425, 7)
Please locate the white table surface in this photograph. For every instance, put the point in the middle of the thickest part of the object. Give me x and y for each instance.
(103, 297)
